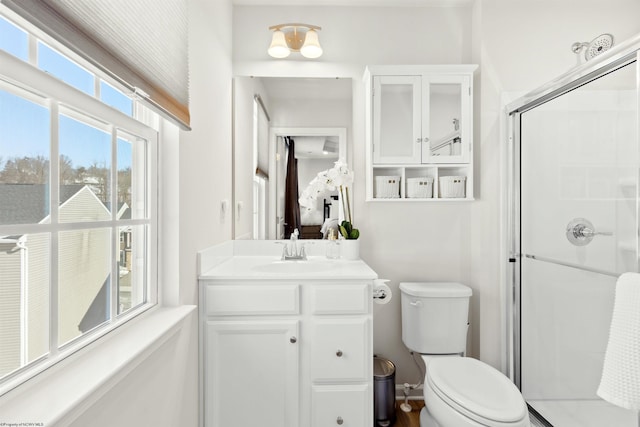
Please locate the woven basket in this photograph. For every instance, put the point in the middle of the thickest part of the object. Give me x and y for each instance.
(453, 186)
(420, 188)
(387, 187)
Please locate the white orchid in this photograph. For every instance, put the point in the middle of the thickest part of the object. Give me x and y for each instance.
(341, 174)
(339, 177)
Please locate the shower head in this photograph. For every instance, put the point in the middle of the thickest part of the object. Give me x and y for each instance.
(599, 45)
(595, 47)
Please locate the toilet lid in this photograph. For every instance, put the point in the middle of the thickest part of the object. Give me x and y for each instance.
(476, 389)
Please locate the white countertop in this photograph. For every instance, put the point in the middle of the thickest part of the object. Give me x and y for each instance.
(271, 267)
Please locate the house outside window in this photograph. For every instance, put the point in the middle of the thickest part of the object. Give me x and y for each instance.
(78, 252)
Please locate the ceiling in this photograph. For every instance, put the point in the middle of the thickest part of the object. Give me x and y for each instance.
(395, 3)
(299, 88)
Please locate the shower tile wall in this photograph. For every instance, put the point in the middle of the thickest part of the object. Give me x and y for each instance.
(579, 159)
(566, 322)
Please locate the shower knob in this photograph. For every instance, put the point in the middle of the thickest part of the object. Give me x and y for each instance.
(580, 232)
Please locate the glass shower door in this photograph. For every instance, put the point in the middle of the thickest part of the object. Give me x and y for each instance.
(578, 233)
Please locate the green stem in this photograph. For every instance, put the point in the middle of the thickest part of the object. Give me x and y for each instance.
(348, 205)
(344, 209)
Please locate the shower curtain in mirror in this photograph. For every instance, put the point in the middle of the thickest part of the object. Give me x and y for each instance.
(291, 205)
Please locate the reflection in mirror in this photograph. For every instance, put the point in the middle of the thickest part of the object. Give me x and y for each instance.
(271, 114)
(300, 154)
(444, 118)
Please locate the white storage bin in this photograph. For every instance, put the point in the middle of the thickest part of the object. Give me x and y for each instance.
(420, 188)
(387, 187)
(453, 186)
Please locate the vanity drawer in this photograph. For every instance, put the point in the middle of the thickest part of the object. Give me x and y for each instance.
(343, 405)
(339, 350)
(234, 300)
(340, 299)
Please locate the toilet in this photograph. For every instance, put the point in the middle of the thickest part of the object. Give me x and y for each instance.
(458, 391)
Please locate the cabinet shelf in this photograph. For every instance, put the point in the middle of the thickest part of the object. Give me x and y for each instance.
(419, 133)
(431, 172)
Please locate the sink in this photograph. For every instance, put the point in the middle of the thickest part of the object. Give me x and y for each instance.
(285, 267)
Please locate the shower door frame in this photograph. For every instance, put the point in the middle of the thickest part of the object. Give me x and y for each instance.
(623, 55)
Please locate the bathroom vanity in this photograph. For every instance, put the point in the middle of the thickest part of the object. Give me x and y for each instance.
(286, 343)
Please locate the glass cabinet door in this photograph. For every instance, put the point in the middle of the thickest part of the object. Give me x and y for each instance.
(446, 120)
(397, 105)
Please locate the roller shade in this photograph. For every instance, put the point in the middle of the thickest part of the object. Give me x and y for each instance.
(141, 43)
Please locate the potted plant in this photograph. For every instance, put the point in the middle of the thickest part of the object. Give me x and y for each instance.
(339, 177)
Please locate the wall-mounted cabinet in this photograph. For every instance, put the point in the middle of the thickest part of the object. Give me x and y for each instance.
(419, 132)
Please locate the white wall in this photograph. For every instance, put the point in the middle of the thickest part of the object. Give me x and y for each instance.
(401, 242)
(159, 392)
(205, 151)
(519, 46)
(205, 173)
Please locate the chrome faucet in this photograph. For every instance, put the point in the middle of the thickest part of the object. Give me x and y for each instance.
(293, 251)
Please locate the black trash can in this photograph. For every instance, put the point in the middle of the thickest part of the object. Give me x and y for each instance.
(384, 392)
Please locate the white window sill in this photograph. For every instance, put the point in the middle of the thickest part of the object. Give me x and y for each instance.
(74, 384)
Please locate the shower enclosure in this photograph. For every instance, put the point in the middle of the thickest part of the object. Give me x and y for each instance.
(573, 229)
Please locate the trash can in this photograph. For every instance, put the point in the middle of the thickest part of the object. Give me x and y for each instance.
(384, 392)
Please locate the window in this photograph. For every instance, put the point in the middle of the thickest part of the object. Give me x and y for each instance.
(55, 63)
(115, 98)
(13, 40)
(77, 208)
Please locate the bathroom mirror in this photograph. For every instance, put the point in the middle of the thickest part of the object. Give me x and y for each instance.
(269, 113)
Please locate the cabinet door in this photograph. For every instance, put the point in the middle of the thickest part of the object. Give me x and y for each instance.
(341, 405)
(397, 119)
(340, 350)
(251, 373)
(446, 119)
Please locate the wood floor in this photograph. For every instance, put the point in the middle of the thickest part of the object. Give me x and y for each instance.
(409, 419)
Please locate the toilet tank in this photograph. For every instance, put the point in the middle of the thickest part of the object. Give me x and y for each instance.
(435, 316)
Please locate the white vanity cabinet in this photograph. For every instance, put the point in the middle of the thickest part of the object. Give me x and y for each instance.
(287, 352)
(419, 125)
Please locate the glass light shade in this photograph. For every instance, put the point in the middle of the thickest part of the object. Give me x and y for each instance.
(311, 47)
(278, 48)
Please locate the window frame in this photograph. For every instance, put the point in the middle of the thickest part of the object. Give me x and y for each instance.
(57, 95)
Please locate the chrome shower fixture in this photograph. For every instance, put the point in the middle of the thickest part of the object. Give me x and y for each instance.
(595, 47)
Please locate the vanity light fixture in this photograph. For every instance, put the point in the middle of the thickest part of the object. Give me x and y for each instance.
(301, 38)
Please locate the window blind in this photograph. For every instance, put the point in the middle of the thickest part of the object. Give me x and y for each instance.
(142, 44)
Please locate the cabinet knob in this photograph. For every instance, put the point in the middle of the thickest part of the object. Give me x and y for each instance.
(293, 340)
(339, 353)
(425, 139)
(418, 140)
(339, 421)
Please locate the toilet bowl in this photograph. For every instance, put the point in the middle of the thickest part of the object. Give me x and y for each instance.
(464, 392)
(458, 391)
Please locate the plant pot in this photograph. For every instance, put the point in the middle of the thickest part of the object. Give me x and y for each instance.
(350, 249)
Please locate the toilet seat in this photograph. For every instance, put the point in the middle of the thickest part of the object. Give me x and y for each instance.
(477, 391)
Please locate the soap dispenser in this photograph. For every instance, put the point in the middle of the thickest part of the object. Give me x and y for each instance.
(333, 245)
